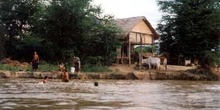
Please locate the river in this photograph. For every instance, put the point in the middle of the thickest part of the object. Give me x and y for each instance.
(26, 94)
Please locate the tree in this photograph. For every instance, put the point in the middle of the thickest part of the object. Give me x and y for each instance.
(2, 42)
(59, 29)
(189, 27)
(76, 27)
(15, 16)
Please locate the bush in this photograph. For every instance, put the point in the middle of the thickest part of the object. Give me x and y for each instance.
(210, 59)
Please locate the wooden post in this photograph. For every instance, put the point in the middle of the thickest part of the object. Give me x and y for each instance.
(118, 58)
(129, 51)
(140, 65)
(159, 46)
(152, 45)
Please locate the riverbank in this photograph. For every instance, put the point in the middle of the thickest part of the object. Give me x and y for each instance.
(123, 72)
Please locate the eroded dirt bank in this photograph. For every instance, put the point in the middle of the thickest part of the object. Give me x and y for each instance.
(123, 72)
(134, 75)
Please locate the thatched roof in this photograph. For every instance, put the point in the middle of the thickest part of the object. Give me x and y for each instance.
(127, 24)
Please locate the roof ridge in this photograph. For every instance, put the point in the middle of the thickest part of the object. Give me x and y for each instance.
(128, 24)
(131, 17)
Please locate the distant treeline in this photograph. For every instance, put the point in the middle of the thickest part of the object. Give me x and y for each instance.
(57, 30)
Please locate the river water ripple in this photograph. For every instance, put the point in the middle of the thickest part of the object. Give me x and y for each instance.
(27, 94)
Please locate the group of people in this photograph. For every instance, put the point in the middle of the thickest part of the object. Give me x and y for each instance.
(64, 74)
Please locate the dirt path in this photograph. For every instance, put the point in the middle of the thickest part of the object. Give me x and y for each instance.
(122, 68)
(129, 69)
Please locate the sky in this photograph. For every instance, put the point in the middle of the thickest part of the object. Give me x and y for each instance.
(131, 8)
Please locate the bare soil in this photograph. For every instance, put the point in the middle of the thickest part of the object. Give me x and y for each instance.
(125, 68)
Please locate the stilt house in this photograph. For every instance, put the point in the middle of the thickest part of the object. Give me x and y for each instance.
(135, 31)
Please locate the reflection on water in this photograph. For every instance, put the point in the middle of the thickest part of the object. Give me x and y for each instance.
(26, 94)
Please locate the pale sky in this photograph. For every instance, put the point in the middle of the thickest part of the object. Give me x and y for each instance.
(131, 8)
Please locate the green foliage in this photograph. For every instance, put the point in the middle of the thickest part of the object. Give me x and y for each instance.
(9, 67)
(26, 47)
(58, 30)
(95, 68)
(146, 49)
(48, 67)
(210, 59)
(94, 60)
(189, 27)
(29, 40)
(13, 15)
(42, 67)
(2, 41)
(77, 28)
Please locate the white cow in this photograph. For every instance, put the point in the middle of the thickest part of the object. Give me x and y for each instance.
(155, 61)
(152, 61)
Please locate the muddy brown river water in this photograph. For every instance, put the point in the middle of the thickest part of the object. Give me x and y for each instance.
(27, 94)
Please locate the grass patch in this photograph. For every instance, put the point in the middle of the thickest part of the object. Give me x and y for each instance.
(42, 67)
(48, 67)
(95, 68)
(9, 67)
(51, 67)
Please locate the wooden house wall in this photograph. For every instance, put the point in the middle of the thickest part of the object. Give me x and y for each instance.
(135, 38)
(141, 30)
(141, 27)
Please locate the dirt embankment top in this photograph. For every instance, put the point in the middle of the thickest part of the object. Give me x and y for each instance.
(119, 71)
(173, 72)
(131, 68)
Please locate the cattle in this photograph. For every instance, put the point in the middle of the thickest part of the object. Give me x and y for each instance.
(163, 61)
(155, 61)
(152, 61)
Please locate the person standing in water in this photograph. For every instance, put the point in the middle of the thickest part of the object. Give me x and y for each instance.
(65, 76)
(62, 67)
(76, 64)
(35, 61)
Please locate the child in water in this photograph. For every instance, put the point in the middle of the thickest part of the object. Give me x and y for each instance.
(45, 79)
(64, 73)
(65, 76)
(62, 67)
